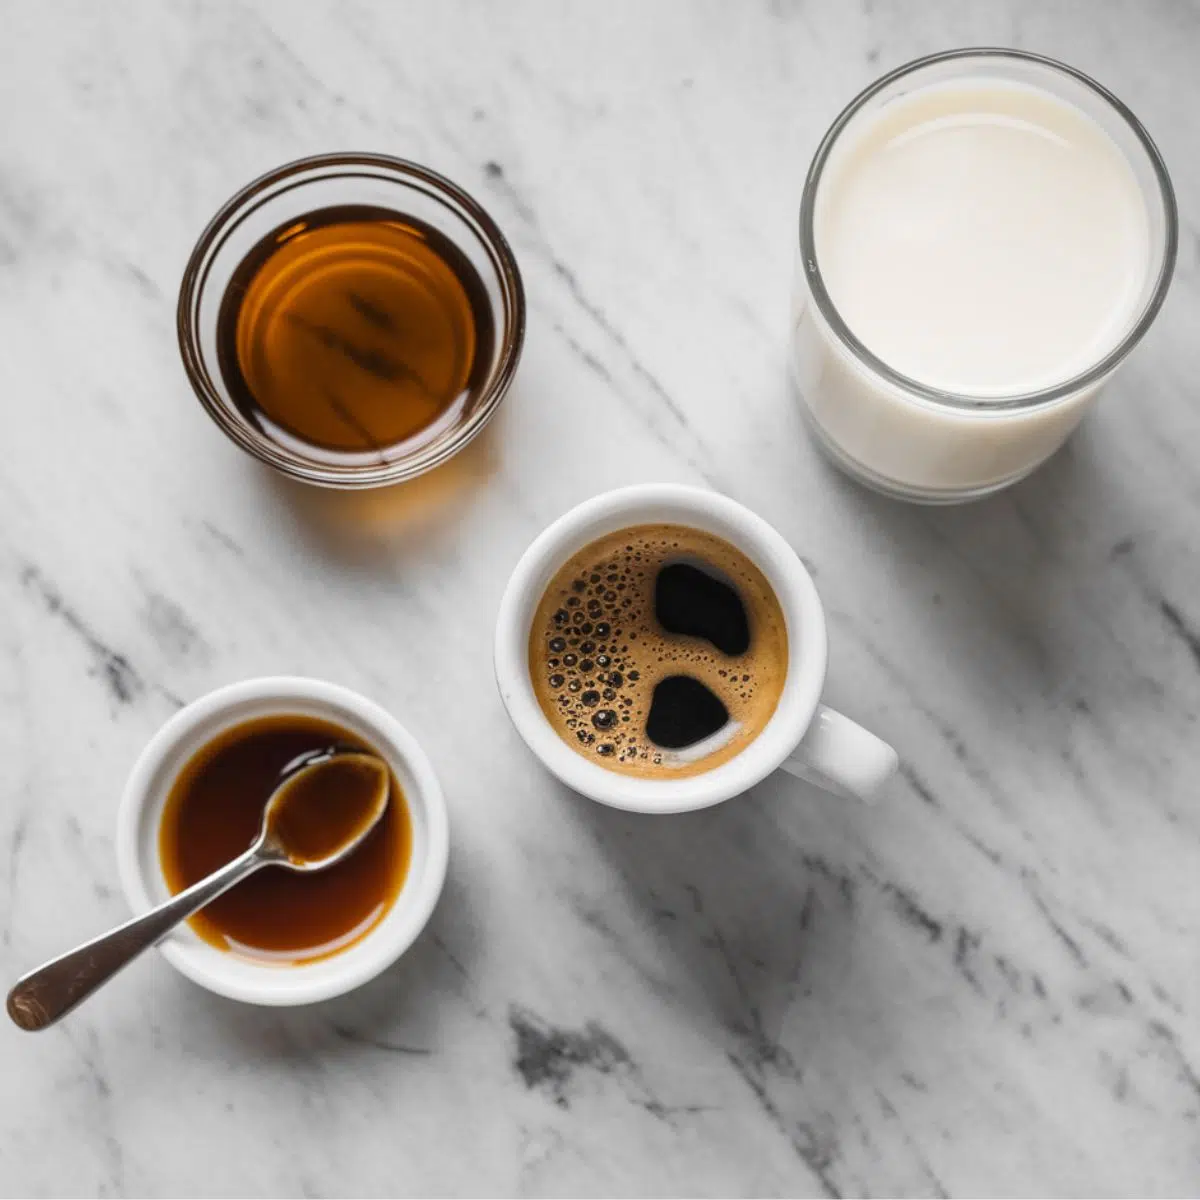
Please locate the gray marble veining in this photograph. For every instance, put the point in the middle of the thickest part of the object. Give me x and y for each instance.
(985, 985)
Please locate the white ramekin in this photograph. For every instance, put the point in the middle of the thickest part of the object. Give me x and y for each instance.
(141, 812)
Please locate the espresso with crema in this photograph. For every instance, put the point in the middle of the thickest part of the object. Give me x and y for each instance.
(659, 651)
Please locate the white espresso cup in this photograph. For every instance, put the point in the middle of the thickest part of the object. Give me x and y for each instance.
(802, 736)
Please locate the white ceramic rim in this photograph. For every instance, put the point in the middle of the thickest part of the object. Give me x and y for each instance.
(239, 978)
(700, 509)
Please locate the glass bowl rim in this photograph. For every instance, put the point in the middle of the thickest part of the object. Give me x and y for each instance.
(423, 459)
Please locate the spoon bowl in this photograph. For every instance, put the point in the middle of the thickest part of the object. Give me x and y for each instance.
(302, 827)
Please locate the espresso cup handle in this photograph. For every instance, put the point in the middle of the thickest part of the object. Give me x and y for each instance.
(842, 757)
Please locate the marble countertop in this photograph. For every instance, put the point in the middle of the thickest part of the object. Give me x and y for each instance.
(985, 985)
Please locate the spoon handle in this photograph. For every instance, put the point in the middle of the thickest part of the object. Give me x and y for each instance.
(43, 996)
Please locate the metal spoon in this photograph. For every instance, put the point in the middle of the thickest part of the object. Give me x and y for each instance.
(43, 996)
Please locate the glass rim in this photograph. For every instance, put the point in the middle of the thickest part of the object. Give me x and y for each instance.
(422, 459)
(1021, 400)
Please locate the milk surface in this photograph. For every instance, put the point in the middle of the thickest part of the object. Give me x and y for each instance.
(985, 238)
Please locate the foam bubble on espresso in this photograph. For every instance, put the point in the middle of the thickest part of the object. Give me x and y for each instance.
(597, 652)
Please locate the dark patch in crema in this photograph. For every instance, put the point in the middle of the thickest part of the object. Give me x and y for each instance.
(695, 603)
(683, 712)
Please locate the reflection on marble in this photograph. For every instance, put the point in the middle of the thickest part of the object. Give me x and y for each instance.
(985, 985)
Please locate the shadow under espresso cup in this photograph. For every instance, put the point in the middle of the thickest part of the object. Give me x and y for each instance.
(258, 981)
(802, 736)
